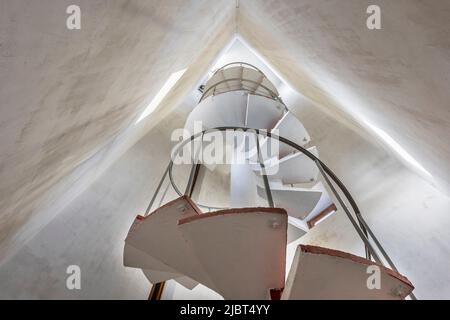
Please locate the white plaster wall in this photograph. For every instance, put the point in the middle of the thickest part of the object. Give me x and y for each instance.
(395, 78)
(409, 216)
(68, 98)
(90, 231)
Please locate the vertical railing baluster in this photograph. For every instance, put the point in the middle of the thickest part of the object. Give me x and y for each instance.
(368, 246)
(194, 170)
(157, 191)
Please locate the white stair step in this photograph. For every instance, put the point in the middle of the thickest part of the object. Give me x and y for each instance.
(187, 282)
(291, 128)
(228, 109)
(298, 202)
(323, 203)
(235, 72)
(238, 72)
(242, 250)
(294, 231)
(320, 273)
(158, 236)
(153, 269)
(136, 258)
(262, 112)
(295, 168)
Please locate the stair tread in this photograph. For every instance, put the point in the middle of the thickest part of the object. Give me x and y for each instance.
(136, 258)
(291, 128)
(158, 236)
(227, 109)
(237, 246)
(294, 168)
(322, 273)
(239, 72)
(298, 202)
(262, 112)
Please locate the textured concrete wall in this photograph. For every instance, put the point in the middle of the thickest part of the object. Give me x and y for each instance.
(409, 217)
(407, 214)
(67, 97)
(395, 78)
(90, 232)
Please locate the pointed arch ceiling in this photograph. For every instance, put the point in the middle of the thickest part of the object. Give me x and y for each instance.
(65, 95)
(396, 79)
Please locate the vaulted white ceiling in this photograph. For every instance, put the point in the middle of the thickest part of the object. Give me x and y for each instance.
(66, 94)
(394, 80)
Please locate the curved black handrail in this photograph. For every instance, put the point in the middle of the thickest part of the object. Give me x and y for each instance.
(274, 136)
(363, 229)
(271, 94)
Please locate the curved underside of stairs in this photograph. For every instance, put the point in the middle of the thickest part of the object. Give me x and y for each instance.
(221, 249)
(240, 246)
(228, 248)
(246, 109)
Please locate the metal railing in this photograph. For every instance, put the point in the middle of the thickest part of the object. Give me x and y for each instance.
(241, 87)
(243, 84)
(374, 251)
(238, 63)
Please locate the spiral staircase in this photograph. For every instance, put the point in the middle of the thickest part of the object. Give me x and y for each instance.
(275, 198)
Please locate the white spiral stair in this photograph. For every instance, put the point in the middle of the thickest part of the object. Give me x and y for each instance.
(241, 252)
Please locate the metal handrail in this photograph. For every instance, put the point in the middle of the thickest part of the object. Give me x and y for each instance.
(310, 155)
(272, 95)
(240, 63)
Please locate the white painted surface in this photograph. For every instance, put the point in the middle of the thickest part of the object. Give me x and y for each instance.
(69, 95)
(158, 236)
(295, 168)
(227, 109)
(136, 258)
(291, 128)
(298, 202)
(294, 232)
(242, 252)
(91, 231)
(323, 203)
(327, 276)
(239, 77)
(263, 113)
